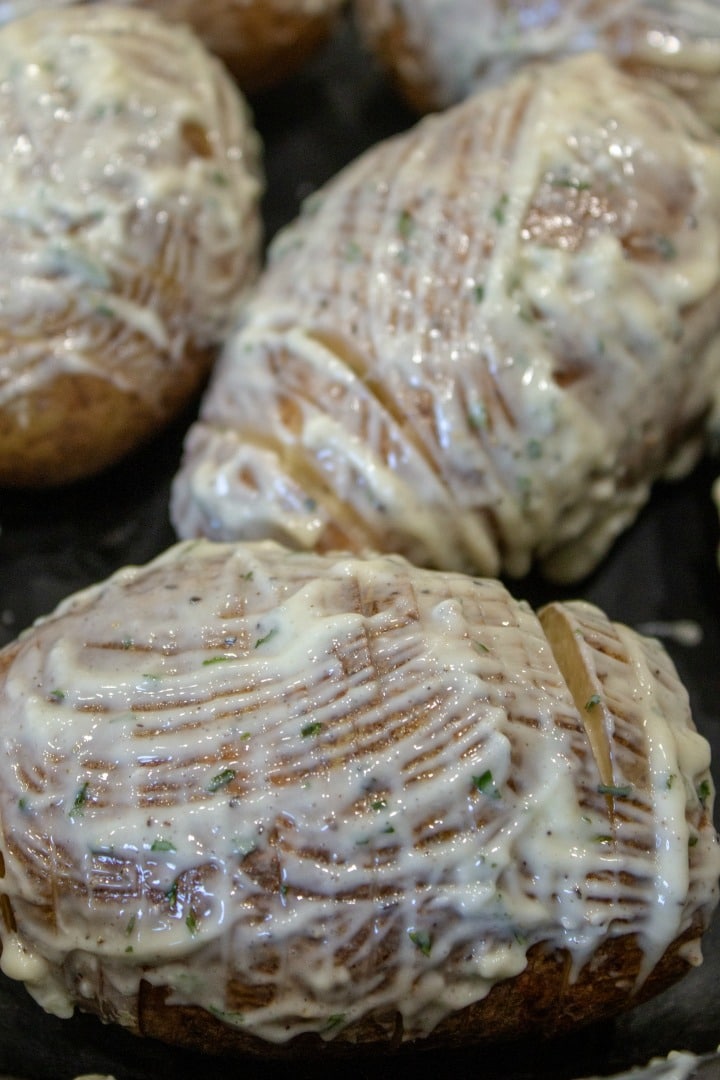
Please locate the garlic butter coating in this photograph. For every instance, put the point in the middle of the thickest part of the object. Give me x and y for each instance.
(439, 51)
(129, 229)
(290, 794)
(481, 343)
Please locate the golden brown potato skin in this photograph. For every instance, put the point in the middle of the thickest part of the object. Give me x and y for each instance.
(78, 425)
(263, 42)
(542, 1002)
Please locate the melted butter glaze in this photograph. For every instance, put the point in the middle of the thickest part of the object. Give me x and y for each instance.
(456, 45)
(300, 790)
(129, 194)
(482, 342)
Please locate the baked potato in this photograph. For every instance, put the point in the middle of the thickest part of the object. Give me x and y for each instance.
(438, 51)
(129, 229)
(262, 801)
(481, 343)
(262, 42)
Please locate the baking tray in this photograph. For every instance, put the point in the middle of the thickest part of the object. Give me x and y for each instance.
(661, 577)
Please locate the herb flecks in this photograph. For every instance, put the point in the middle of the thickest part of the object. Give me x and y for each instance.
(262, 640)
(618, 791)
(312, 729)
(220, 659)
(499, 211)
(421, 939)
(221, 780)
(57, 696)
(704, 791)
(162, 845)
(191, 922)
(80, 800)
(485, 783)
(592, 702)
(405, 224)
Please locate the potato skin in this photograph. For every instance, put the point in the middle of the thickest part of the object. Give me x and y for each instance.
(544, 1001)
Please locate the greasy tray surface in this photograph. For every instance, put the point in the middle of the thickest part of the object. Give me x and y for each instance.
(662, 573)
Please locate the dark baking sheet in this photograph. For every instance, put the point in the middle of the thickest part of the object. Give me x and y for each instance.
(664, 570)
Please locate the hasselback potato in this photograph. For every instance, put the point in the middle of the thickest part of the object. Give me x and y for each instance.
(482, 342)
(282, 802)
(438, 51)
(262, 42)
(129, 229)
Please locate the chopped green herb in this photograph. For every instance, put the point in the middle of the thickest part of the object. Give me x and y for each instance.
(221, 780)
(249, 576)
(284, 889)
(379, 804)
(388, 829)
(129, 949)
(670, 780)
(220, 179)
(622, 792)
(479, 647)
(534, 449)
(131, 925)
(405, 224)
(105, 310)
(172, 894)
(191, 922)
(22, 803)
(262, 640)
(217, 660)
(704, 791)
(486, 784)
(479, 293)
(603, 838)
(312, 729)
(80, 800)
(162, 845)
(477, 417)
(499, 209)
(592, 702)
(421, 939)
(57, 696)
(570, 182)
(334, 1020)
(692, 841)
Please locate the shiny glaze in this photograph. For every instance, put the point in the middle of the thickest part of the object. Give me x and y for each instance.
(129, 198)
(456, 45)
(482, 342)
(299, 791)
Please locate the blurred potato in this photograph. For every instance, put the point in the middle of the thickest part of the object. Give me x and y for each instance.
(261, 41)
(437, 51)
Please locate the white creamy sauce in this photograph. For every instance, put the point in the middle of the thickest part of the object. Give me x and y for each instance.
(348, 785)
(484, 380)
(128, 194)
(458, 44)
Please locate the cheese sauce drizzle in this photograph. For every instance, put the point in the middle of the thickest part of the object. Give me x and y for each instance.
(299, 791)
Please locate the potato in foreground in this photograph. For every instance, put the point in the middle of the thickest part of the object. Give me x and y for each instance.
(129, 229)
(288, 803)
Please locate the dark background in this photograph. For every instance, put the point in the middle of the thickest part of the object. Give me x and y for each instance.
(663, 570)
